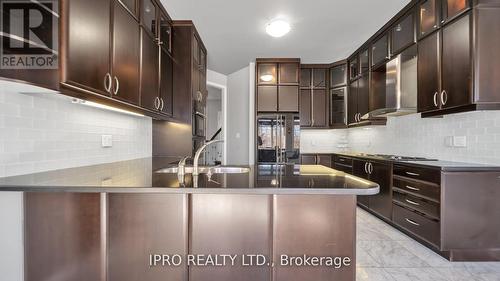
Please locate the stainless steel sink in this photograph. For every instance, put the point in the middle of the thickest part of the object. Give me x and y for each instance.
(206, 170)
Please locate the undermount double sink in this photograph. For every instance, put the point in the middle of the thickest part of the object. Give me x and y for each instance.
(206, 170)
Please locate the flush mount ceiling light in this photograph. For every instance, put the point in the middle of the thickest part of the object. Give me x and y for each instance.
(277, 28)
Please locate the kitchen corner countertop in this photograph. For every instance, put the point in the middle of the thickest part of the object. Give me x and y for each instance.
(445, 166)
(141, 176)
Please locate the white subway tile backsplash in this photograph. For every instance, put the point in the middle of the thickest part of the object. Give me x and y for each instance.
(41, 130)
(414, 136)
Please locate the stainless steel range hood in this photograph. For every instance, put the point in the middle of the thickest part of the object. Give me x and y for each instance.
(400, 86)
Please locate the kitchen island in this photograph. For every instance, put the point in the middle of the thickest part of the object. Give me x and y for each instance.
(127, 221)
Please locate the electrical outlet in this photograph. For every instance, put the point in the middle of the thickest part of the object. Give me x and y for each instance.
(460, 141)
(107, 141)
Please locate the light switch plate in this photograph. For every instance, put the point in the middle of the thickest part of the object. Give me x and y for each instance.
(460, 141)
(107, 141)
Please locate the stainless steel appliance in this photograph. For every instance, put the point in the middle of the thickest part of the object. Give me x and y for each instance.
(278, 138)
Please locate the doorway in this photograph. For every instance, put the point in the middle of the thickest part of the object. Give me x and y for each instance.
(215, 122)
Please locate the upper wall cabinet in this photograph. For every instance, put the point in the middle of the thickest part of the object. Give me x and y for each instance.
(429, 16)
(338, 76)
(380, 50)
(313, 97)
(453, 8)
(354, 67)
(364, 61)
(149, 13)
(403, 33)
(277, 85)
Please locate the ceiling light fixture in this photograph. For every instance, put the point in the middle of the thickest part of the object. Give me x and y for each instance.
(102, 106)
(278, 28)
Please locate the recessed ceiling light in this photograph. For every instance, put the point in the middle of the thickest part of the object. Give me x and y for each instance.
(277, 28)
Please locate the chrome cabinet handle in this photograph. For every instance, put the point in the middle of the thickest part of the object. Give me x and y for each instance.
(107, 82)
(370, 168)
(412, 202)
(444, 97)
(162, 104)
(117, 88)
(412, 222)
(366, 167)
(412, 188)
(412, 174)
(435, 99)
(157, 103)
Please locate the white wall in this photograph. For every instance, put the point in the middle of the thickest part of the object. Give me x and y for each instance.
(413, 136)
(238, 92)
(42, 130)
(216, 77)
(11, 236)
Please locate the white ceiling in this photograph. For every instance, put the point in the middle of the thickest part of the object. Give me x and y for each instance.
(323, 31)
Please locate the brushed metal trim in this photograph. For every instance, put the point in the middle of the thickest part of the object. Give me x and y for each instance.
(104, 235)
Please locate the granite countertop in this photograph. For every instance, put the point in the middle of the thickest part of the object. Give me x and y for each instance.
(140, 176)
(445, 166)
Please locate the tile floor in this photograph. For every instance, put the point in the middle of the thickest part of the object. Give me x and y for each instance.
(386, 254)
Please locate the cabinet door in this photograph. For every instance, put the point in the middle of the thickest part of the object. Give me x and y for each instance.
(308, 159)
(288, 98)
(354, 68)
(149, 15)
(338, 76)
(359, 170)
(451, 8)
(289, 73)
(456, 64)
(428, 73)
(131, 5)
(428, 16)
(88, 57)
(403, 33)
(166, 83)
(267, 98)
(352, 103)
(325, 160)
(319, 108)
(165, 33)
(380, 50)
(364, 61)
(149, 73)
(305, 108)
(126, 55)
(381, 203)
(144, 224)
(338, 107)
(363, 95)
(305, 77)
(266, 73)
(319, 78)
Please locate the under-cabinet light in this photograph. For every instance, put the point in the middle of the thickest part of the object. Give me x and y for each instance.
(102, 106)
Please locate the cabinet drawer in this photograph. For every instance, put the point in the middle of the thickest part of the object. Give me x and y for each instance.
(430, 191)
(343, 168)
(419, 173)
(342, 160)
(419, 225)
(427, 207)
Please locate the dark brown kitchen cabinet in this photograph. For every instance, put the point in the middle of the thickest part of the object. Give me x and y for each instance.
(338, 107)
(354, 67)
(359, 170)
(428, 73)
(429, 16)
(452, 8)
(403, 33)
(444, 67)
(131, 5)
(364, 61)
(278, 85)
(316, 159)
(314, 97)
(149, 13)
(288, 98)
(166, 83)
(380, 50)
(149, 73)
(126, 55)
(87, 58)
(338, 76)
(358, 99)
(456, 64)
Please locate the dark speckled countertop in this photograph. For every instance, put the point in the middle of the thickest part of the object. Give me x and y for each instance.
(140, 176)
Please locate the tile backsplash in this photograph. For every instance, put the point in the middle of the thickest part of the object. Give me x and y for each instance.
(41, 130)
(411, 135)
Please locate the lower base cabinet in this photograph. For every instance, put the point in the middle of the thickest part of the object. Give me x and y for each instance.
(317, 159)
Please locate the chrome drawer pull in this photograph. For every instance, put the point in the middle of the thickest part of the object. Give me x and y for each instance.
(412, 202)
(412, 188)
(340, 159)
(412, 222)
(412, 174)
